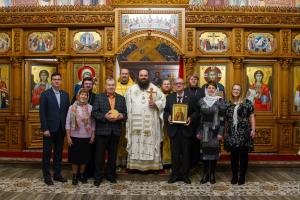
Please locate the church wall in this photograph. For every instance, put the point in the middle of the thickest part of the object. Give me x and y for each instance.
(277, 127)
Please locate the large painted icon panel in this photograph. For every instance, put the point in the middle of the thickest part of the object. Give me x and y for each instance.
(40, 81)
(157, 73)
(260, 86)
(86, 70)
(296, 44)
(262, 43)
(213, 42)
(41, 42)
(4, 42)
(4, 86)
(213, 72)
(296, 89)
(87, 42)
(168, 23)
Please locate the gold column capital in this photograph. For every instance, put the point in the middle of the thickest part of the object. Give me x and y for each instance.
(285, 63)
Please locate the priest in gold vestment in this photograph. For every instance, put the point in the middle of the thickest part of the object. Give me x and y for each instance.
(123, 84)
(166, 150)
(144, 134)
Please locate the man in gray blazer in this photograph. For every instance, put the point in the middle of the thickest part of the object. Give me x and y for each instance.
(109, 111)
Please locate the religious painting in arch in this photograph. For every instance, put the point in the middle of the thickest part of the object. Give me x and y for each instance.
(94, 2)
(41, 42)
(45, 2)
(157, 72)
(4, 85)
(40, 75)
(65, 2)
(4, 42)
(86, 70)
(168, 23)
(213, 42)
(261, 42)
(259, 86)
(213, 72)
(296, 44)
(296, 88)
(87, 42)
(6, 3)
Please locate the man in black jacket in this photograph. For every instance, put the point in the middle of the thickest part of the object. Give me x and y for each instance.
(109, 110)
(180, 134)
(198, 93)
(54, 105)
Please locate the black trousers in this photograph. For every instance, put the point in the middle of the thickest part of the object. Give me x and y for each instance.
(56, 142)
(195, 151)
(102, 144)
(239, 162)
(180, 154)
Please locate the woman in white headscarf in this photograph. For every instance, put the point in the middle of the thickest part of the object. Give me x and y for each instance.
(80, 127)
(210, 132)
(240, 131)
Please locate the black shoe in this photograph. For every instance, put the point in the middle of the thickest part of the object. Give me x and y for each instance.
(234, 180)
(48, 181)
(75, 179)
(186, 180)
(212, 179)
(59, 178)
(204, 179)
(97, 182)
(82, 178)
(111, 179)
(241, 181)
(173, 179)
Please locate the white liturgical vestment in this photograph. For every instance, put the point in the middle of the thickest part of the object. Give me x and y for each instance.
(144, 127)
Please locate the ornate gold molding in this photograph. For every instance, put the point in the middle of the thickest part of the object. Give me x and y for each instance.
(285, 63)
(55, 15)
(263, 136)
(243, 16)
(152, 3)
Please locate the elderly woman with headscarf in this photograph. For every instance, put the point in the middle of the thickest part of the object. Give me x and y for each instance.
(80, 127)
(240, 131)
(210, 131)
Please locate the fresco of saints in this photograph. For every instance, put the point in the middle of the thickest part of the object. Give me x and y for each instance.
(85, 71)
(39, 88)
(259, 93)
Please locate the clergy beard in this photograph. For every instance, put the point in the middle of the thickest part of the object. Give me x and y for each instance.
(143, 84)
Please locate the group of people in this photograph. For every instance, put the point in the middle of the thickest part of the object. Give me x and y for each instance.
(139, 116)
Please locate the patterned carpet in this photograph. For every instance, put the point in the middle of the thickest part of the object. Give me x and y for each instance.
(154, 188)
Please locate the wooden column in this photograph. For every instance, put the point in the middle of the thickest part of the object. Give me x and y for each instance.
(237, 69)
(284, 87)
(63, 63)
(109, 66)
(17, 91)
(189, 65)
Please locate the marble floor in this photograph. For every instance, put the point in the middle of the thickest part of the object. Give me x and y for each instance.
(24, 182)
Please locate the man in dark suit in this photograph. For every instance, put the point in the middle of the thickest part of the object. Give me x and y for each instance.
(110, 111)
(180, 134)
(54, 105)
(198, 93)
(88, 83)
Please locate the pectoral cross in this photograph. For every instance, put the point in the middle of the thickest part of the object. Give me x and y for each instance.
(151, 92)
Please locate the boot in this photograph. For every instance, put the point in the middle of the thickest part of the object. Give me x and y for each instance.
(82, 178)
(205, 176)
(212, 178)
(75, 179)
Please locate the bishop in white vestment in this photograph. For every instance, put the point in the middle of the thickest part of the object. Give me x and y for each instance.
(145, 104)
